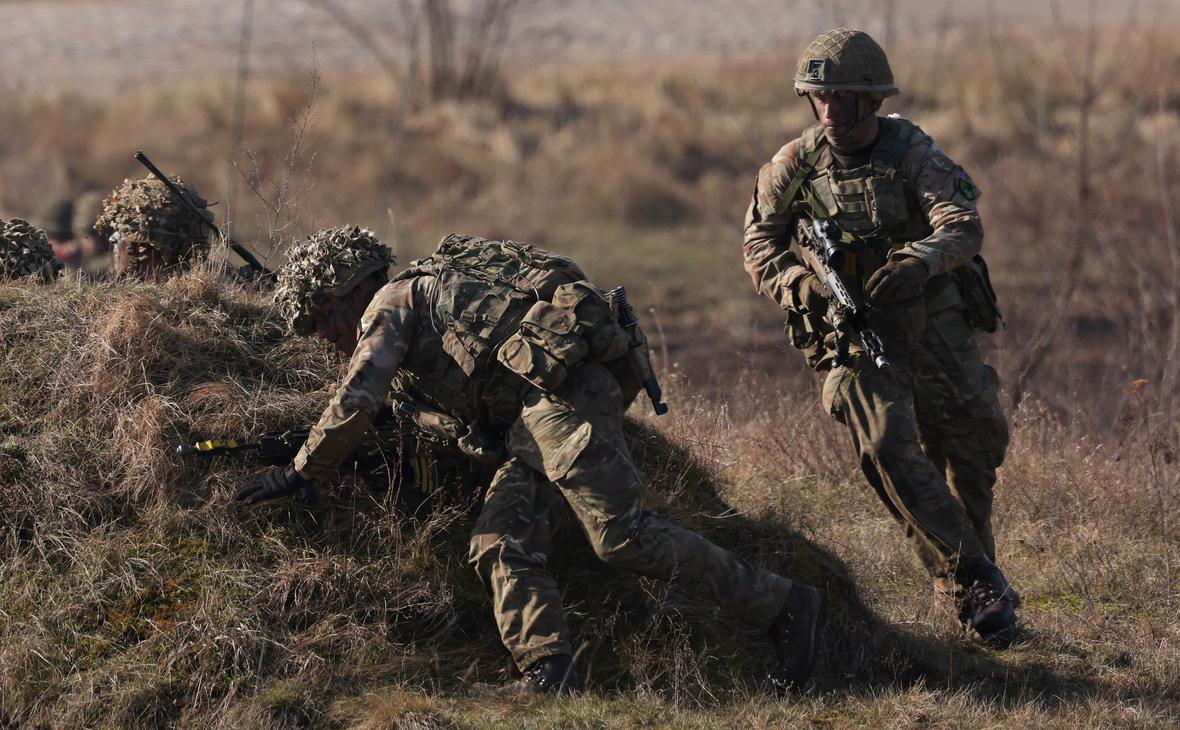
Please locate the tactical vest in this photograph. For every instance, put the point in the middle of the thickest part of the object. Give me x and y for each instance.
(484, 289)
(874, 204)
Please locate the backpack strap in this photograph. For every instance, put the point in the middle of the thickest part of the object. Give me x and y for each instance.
(813, 147)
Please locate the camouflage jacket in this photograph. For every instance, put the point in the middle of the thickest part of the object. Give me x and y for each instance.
(386, 332)
(935, 217)
(430, 338)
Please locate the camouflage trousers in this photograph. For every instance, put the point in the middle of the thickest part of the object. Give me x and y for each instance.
(930, 435)
(569, 446)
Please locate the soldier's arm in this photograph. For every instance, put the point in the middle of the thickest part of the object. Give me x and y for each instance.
(774, 269)
(948, 198)
(386, 328)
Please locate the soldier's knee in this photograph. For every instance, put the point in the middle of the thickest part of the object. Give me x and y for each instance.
(620, 544)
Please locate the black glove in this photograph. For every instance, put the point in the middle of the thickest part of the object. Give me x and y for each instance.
(897, 280)
(273, 483)
(813, 295)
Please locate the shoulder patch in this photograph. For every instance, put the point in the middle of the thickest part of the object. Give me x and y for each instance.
(964, 186)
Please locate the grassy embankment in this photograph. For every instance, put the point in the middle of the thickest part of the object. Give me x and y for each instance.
(134, 595)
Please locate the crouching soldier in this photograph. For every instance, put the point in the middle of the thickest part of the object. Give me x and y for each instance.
(513, 346)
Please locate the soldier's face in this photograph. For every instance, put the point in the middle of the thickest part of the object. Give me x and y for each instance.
(838, 111)
(336, 321)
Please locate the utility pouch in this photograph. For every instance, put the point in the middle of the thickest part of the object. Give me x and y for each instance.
(545, 347)
(806, 333)
(979, 298)
(886, 199)
(594, 320)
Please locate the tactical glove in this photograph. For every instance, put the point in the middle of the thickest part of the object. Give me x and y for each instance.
(898, 279)
(812, 295)
(279, 481)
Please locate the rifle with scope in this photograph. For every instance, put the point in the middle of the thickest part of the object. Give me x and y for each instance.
(824, 238)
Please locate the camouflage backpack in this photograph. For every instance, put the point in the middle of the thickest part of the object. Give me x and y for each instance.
(505, 302)
(487, 289)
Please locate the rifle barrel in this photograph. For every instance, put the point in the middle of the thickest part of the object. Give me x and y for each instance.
(238, 248)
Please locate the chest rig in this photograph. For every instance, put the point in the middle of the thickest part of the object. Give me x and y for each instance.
(483, 290)
(873, 204)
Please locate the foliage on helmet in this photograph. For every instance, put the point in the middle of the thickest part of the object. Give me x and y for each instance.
(844, 59)
(328, 263)
(25, 251)
(144, 216)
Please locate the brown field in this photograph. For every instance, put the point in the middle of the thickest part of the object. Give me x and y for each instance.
(133, 596)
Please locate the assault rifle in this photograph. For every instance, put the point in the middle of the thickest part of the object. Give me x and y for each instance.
(823, 236)
(638, 355)
(259, 271)
(280, 447)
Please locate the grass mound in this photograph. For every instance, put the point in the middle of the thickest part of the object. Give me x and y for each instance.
(134, 593)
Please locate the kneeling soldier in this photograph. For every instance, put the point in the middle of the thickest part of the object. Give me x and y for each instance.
(152, 234)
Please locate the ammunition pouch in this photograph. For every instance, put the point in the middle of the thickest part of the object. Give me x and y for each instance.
(554, 337)
(979, 298)
(807, 333)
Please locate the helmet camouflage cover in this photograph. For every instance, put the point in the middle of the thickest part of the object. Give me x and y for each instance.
(25, 251)
(328, 263)
(143, 216)
(844, 59)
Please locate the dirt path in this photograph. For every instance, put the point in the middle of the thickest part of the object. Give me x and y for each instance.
(103, 45)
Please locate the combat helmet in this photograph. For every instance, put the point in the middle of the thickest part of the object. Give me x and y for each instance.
(328, 263)
(144, 217)
(844, 59)
(25, 251)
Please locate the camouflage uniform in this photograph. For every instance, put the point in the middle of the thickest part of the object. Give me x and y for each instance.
(929, 431)
(435, 333)
(25, 251)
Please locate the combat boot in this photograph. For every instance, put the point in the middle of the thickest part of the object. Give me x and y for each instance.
(795, 636)
(555, 674)
(987, 604)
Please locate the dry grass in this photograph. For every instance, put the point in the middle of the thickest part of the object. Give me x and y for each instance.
(134, 595)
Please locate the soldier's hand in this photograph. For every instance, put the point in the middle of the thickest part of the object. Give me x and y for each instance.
(279, 481)
(898, 279)
(813, 295)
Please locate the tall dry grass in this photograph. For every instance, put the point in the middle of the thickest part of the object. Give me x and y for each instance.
(135, 594)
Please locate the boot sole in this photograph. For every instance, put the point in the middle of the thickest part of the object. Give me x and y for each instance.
(817, 628)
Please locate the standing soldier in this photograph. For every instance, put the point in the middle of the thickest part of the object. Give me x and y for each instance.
(902, 242)
(526, 360)
(25, 251)
(153, 234)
